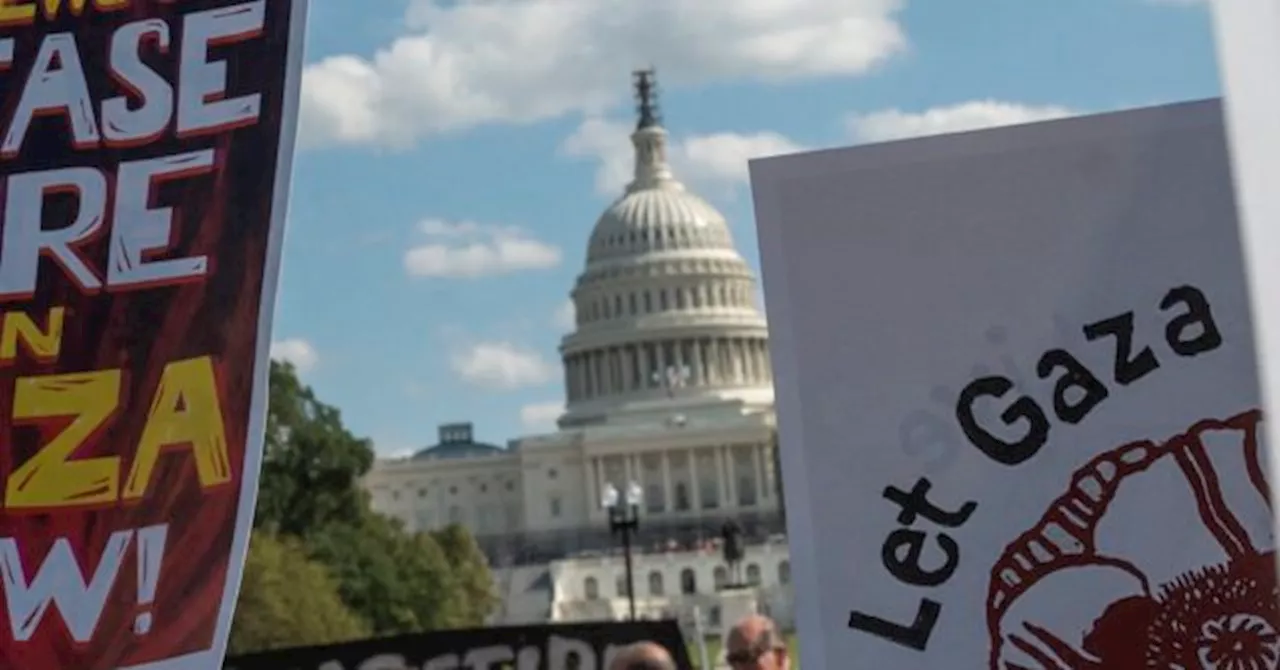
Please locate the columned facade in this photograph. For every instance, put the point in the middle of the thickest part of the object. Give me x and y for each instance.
(712, 362)
(693, 480)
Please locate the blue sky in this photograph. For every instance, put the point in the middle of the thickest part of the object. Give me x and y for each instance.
(456, 154)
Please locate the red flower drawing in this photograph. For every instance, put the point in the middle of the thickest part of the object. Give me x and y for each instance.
(1101, 582)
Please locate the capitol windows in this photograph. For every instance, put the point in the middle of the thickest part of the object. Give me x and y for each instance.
(668, 355)
(488, 521)
(708, 482)
(554, 504)
(648, 302)
(688, 582)
(720, 577)
(620, 586)
(681, 484)
(705, 356)
(637, 373)
(651, 377)
(753, 575)
(682, 497)
(744, 470)
(591, 588)
(422, 493)
(679, 299)
(784, 572)
(662, 299)
(655, 584)
(631, 302)
(617, 305)
(455, 514)
(655, 498)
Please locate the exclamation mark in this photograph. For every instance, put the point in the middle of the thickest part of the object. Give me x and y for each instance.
(150, 556)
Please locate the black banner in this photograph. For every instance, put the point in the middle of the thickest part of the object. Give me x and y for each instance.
(589, 646)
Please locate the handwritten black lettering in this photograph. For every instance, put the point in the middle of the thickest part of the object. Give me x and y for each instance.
(901, 555)
(1075, 376)
(1198, 314)
(1077, 391)
(1024, 409)
(1128, 367)
(916, 636)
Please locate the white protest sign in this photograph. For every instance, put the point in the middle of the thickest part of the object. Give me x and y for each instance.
(1018, 401)
(1248, 40)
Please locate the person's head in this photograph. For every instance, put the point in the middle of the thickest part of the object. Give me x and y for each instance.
(755, 644)
(643, 656)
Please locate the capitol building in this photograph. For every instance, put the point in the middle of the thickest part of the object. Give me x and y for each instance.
(669, 395)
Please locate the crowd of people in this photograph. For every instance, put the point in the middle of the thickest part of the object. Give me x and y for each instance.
(755, 643)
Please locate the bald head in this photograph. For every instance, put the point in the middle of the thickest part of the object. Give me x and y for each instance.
(643, 656)
(754, 631)
(756, 643)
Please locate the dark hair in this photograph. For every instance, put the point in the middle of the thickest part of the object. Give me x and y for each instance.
(650, 664)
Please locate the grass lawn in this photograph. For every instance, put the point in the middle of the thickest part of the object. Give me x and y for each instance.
(716, 655)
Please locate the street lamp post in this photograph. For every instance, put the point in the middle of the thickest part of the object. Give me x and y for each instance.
(624, 518)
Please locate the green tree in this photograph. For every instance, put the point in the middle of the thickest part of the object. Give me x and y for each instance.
(287, 600)
(311, 464)
(401, 583)
(310, 490)
(471, 575)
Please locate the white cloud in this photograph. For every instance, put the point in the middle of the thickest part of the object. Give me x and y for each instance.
(297, 351)
(708, 161)
(470, 250)
(541, 416)
(724, 156)
(396, 454)
(464, 63)
(566, 316)
(503, 366)
(892, 124)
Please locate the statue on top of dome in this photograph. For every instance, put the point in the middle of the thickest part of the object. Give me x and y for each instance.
(646, 82)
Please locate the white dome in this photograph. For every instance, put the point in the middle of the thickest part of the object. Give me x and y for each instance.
(667, 319)
(664, 217)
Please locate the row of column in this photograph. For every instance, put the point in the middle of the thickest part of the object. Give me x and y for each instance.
(667, 364)
(724, 467)
(733, 295)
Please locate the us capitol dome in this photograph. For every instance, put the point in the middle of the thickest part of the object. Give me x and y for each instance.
(668, 401)
(666, 306)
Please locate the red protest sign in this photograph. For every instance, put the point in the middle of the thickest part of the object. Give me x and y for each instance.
(145, 150)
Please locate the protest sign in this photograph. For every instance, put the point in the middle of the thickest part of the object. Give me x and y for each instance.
(145, 147)
(589, 646)
(1248, 45)
(1018, 399)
